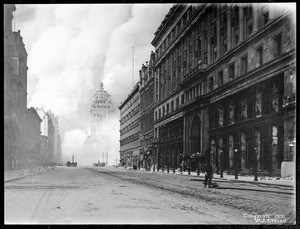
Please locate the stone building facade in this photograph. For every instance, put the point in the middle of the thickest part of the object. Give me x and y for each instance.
(225, 88)
(147, 113)
(130, 129)
(15, 94)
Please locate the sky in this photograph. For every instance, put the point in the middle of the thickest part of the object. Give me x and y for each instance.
(71, 48)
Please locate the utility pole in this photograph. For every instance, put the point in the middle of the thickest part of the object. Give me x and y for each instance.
(107, 158)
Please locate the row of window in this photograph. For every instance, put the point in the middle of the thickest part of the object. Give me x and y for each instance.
(146, 123)
(198, 37)
(170, 132)
(167, 109)
(131, 103)
(129, 127)
(100, 116)
(168, 83)
(250, 104)
(238, 149)
(130, 115)
(244, 64)
(101, 106)
(130, 139)
(194, 92)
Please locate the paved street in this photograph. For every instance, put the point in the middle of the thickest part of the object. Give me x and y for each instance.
(89, 195)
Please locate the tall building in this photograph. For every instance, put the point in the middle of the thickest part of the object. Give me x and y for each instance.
(130, 129)
(225, 88)
(56, 140)
(146, 113)
(101, 109)
(15, 94)
(33, 141)
(50, 146)
(44, 135)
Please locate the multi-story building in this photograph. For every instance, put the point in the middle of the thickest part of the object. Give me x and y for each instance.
(15, 93)
(33, 141)
(50, 147)
(101, 109)
(56, 140)
(51, 133)
(44, 135)
(225, 87)
(146, 113)
(130, 129)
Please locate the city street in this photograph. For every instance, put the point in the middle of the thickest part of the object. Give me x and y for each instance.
(109, 195)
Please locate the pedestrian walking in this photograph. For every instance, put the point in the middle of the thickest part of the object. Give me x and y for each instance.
(208, 174)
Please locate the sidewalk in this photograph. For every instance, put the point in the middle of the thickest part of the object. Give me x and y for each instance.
(277, 181)
(10, 175)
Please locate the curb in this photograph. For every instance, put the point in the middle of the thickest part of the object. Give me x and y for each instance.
(225, 179)
(23, 176)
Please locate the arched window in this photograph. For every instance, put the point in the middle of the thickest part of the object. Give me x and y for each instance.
(230, 148)
(243, 109)
(221, 115)
(258, 105)
(243, 151)
(231, 113)
(275, 98)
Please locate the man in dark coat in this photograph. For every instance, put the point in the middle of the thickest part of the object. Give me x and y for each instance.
(208, 174)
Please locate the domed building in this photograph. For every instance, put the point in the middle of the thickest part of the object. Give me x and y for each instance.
(101, 109)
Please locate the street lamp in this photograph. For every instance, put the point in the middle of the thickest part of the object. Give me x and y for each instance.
(236, 164)
(189, 163)
(222, 160)
(255, 164)
(168, 161)
(180, 159)
(291, 145)
(198, 162)
(173, 161)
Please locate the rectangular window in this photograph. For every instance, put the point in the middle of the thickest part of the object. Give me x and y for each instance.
(177, 103)
(220, 79)
(210, 83)
(172, 106)
(182, 99)
(244, 63)
(265, 17)
(231, 72)
(231, 113)
(168, 108)
(15, 61)
(277, 45)
(259, 52)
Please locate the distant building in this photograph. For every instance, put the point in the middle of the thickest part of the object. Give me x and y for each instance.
(130, 129)
(33, 141)
(100, 111)
(50, 138)
(44, 135)
(146, 113)
(56, 138)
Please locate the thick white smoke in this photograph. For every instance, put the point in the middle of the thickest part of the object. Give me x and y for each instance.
(71, 48)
